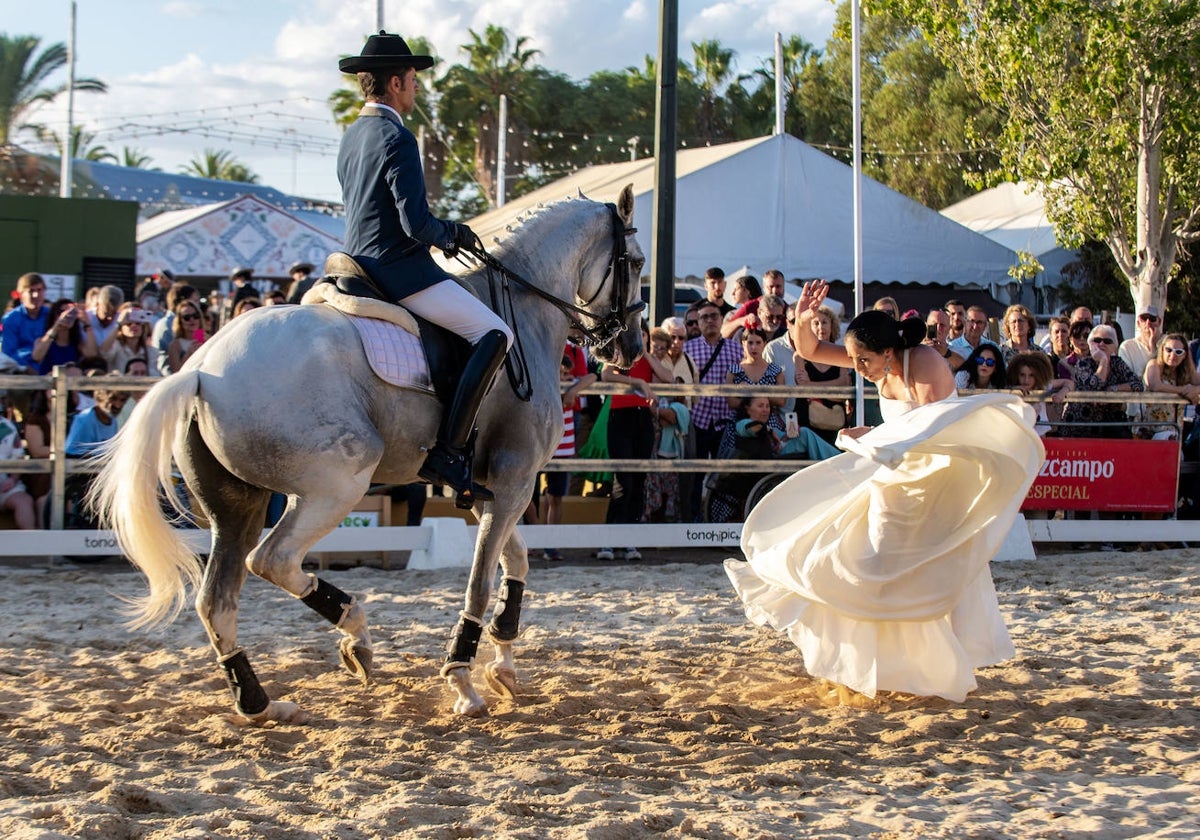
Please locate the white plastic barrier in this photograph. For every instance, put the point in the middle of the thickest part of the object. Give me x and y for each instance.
(449, 542)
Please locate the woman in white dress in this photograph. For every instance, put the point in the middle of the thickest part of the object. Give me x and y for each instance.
(875, 562)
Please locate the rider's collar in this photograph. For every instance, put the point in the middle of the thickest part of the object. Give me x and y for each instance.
(383, 107)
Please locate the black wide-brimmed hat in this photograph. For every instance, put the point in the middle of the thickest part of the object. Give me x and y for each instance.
(383, 51)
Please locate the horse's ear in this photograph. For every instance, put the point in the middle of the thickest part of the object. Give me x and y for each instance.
(625, 204)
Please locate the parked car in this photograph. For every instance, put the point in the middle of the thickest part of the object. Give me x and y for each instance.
(685, 295)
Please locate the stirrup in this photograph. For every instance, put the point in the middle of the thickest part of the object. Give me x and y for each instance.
(466, 499)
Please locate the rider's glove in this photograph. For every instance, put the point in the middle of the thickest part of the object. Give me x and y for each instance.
(463, 239)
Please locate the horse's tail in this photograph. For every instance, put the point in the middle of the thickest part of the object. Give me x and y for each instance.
(126, 496)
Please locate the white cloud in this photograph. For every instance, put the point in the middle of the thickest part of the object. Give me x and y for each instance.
(289, 60)
(182, 9)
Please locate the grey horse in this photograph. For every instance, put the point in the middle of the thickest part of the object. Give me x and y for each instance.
(283, 400)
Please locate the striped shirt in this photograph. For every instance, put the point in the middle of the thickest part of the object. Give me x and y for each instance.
(566, 446)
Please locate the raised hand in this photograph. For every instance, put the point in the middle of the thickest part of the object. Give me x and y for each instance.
(812, 296)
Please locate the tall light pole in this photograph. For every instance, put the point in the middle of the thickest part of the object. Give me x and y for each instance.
(65, 170)
(502, 152)
(662, 258)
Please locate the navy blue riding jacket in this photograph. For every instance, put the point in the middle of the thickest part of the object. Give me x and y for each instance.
(388, 224)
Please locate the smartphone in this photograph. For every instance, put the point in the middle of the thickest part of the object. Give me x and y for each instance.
(931, 331)
(792, 422)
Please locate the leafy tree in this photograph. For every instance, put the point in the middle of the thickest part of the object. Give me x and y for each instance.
(136, 159)
(221, 165)
(23, 78)
(713, 75)
(83, 146)
(1100, 110)
(754, 109)
(922, 127)
(497, 64)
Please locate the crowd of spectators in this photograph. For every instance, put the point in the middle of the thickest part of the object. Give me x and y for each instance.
(743, 341)
(152, 334)
(749, 343)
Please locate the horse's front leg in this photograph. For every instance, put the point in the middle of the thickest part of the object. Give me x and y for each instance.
(505, 627)
(497, 530)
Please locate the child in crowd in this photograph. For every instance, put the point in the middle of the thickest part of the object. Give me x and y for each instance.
(13, 495)
(556, 482)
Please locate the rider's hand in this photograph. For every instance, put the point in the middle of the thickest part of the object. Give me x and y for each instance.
(463, 238)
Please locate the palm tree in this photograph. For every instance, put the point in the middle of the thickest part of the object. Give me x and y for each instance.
(136, 159)
(82, 145)
(23, 76)
(496, 64)
(714, 71)
(221, 165)
(758, 112)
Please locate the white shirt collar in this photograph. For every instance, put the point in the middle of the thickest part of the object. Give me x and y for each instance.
(385, 108)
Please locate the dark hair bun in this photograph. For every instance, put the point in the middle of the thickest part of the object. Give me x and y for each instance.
(912, 331)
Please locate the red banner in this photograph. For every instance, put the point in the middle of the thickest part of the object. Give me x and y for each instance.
(1106, 474)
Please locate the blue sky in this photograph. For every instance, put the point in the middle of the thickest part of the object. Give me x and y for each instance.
(252, 76)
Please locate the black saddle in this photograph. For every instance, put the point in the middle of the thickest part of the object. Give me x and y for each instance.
(445, 351)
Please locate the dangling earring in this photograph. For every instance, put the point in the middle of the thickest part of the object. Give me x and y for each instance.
(887, 364)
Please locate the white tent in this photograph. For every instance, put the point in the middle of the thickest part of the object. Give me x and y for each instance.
(776, 202)
(212, 240)
(1014, 215)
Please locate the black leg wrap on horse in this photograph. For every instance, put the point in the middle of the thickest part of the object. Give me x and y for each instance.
(329, 602)
(506, 620)
(463, 644)
(248, 695)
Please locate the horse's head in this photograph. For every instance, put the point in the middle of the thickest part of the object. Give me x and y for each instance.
(618, 336)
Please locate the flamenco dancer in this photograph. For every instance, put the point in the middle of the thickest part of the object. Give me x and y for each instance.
(875, 562)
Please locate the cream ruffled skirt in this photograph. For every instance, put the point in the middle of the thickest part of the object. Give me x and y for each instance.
(875, 562)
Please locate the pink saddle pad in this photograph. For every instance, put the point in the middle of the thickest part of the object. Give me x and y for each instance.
(395, 354)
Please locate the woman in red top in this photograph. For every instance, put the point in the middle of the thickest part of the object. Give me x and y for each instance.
(631, 434)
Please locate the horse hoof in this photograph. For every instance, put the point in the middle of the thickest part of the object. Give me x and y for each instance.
(470, 709)
(277, 711)
(357, 660)
(503, 681)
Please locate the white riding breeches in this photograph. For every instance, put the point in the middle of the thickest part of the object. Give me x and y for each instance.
(449, 305)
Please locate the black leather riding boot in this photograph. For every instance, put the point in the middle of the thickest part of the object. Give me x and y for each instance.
(449, 462)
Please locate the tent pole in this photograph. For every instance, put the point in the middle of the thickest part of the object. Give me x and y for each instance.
(856, 96)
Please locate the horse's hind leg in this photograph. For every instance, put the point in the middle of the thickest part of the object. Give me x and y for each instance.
(279, 558)
(236, 511)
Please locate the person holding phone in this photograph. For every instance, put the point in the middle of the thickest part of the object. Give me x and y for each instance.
(937, 336)
(188, 330)
(131, 340)
(68, 339)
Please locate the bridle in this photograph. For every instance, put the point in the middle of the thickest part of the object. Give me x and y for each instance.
(602, 329)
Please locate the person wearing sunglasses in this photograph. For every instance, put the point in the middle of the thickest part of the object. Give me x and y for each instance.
(189, 333)
(1101, 370)
(1143, 347)
(1171, 371)
(983, 370)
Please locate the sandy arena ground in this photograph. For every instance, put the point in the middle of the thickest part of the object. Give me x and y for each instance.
(649, 707)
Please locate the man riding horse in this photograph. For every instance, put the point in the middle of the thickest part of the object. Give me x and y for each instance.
(389, 229)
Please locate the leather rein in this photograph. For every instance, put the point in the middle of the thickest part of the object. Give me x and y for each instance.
(604, 328)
